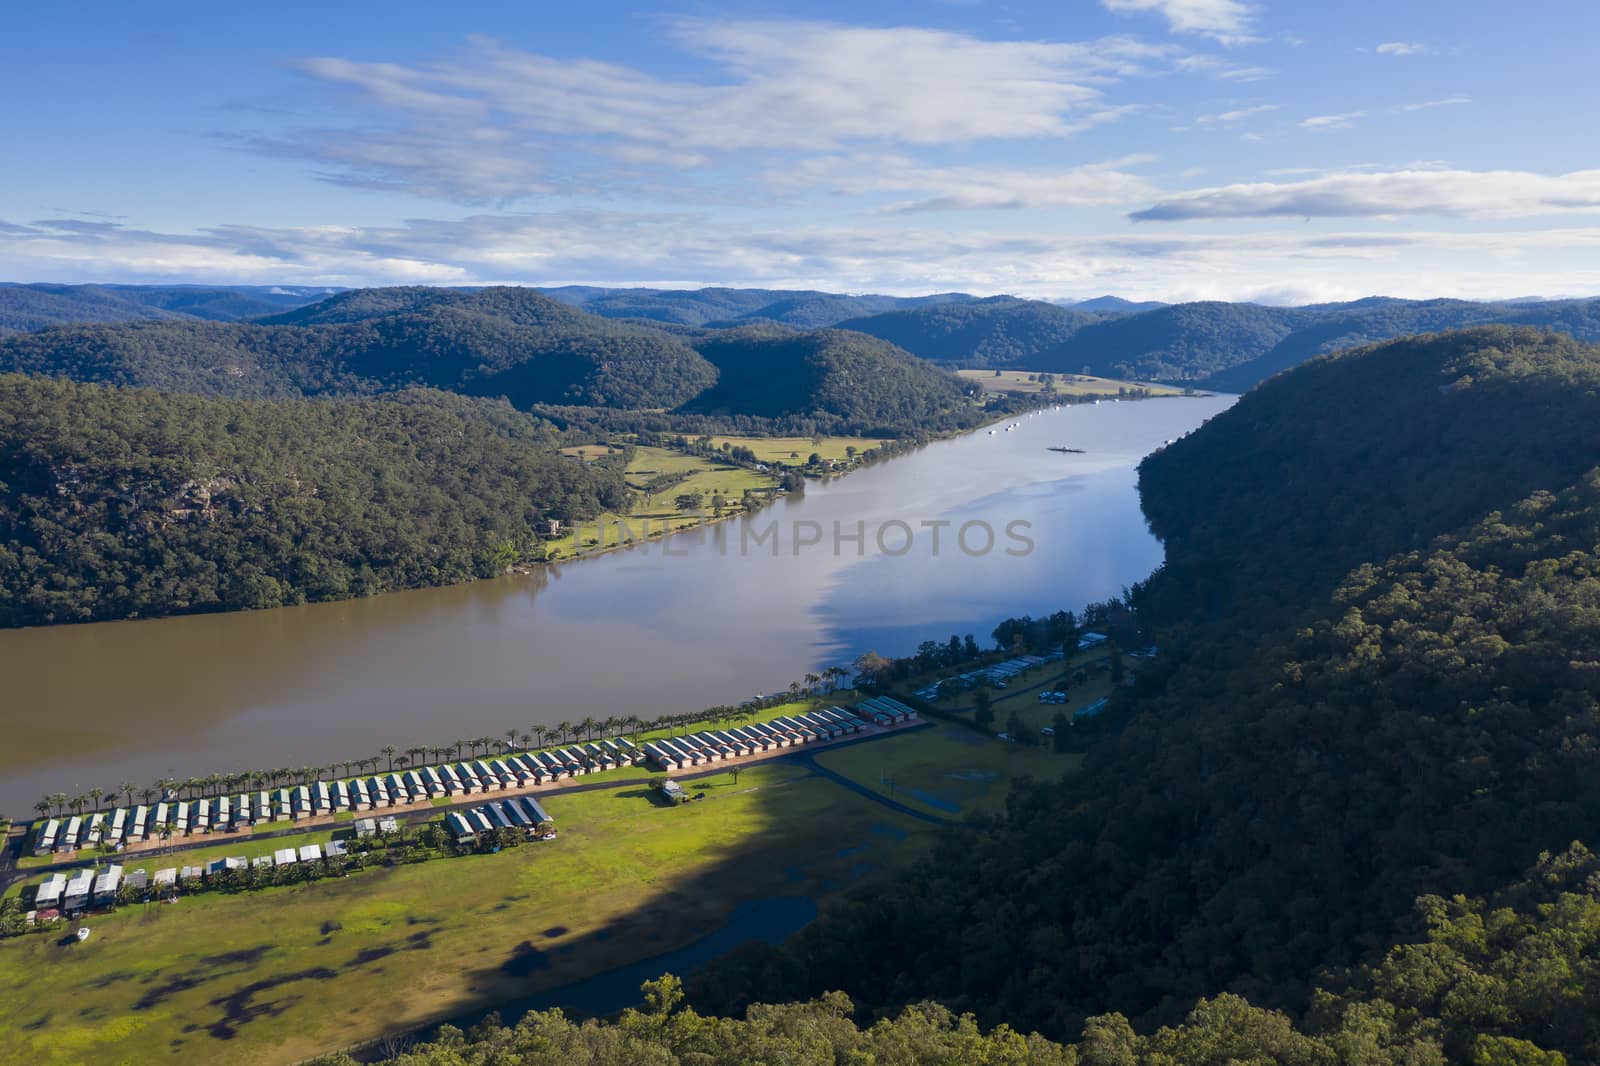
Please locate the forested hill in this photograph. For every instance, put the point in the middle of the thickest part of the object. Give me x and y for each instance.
(834, 377)
(121, 502)
(29, 307)
(1226, 346)
(803, 309)
(1271, 797)
(999, 331)
(513, 343)
(495, 342)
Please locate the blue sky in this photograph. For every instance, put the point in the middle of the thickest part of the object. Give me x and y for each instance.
(1169, 149)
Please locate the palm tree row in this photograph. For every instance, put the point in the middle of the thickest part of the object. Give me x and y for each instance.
(533, 738)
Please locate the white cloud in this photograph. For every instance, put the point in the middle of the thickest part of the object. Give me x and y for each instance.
(1459, 193)
(1226, 21)
(1449, 101)
(1331, 122)
(493, 123)
(1236, 115)
(967, 187)
(1401, 48)
(688, 248)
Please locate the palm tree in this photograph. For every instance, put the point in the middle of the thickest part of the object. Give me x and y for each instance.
(127, 788)
(43, 806)
(459, 744)
(562, 729)
(94, 796)
(416, 754)
(148, 794)
(403, 761)
(538, 734)
(77, 803)
(511, 735)
(388, 751)
(60, 800)
(812, 681)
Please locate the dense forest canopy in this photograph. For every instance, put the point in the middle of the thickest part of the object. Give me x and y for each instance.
(836, 377)
(123, 502)
(1273, 797)
(999, 331)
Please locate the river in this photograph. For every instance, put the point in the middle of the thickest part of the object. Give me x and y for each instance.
(702, 618)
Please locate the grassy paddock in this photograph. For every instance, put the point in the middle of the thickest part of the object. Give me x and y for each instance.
(785, 449)
(946, 770)
(280, 974)
(1065, 384)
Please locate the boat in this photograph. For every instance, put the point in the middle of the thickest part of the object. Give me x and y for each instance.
(83, 933)
(991, 433)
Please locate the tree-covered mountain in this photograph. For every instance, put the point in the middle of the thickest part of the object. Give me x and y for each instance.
(1226, 346)
(39, 306)
(506, 342)
(803, 309)
(1390, 693)
(513, 343)
(836, 377)
(124, 503)
(998, 331)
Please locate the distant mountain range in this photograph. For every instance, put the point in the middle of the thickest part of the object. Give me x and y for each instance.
(30, 307)
(505, 342)
(1226, 346)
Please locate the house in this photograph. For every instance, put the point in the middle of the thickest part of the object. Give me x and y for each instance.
(323, 799)
(459, 827)
(631, 750)
(201, 813)
(469, 779)
(310, 853)
(191, 874)
(536, 811)
(75, 897)
(263, 810)
(388, 825)
(417, 786)
(378, 791)
(285, 857)
(673, 791)
(300, 805)
(358, 796)
(119, 825)
(518, 816)
(452, 783)
(661, 757)
(138, 880)
(50, 893)
(262, 862)
(106, 885)
(336, 849)
(366, 827)
(224, 820)
(479, 821)
(1090, 640)
(548, 528)
(341, 796)
(432, 780)
(283, 806)
(69, 835)
(167, 878)
(96, 829)
(496, 815)
(181, 813)
(139, 829)
(44, 840)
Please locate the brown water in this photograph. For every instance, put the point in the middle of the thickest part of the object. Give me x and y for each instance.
(676, 626)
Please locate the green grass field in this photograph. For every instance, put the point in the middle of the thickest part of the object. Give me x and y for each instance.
(1066, 384)
(652, 517)
(945, 770)
(795, 450)
(284, 973)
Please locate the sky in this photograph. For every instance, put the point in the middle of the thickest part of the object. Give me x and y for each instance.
(1268, 150)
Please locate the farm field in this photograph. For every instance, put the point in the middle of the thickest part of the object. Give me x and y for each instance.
(1065, 384)
(284, 973)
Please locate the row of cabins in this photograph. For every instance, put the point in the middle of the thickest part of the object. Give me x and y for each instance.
(513, 812)
(87, 888)
(232, 813)
(715, 745)
(884, 710)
